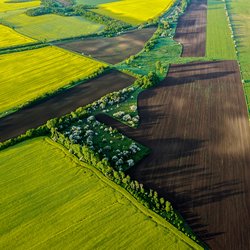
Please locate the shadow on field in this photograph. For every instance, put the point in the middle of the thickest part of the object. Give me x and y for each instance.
(173, 181)
(195, 123)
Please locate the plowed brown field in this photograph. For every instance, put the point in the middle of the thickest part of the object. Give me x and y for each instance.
(61, 104)
(113, 49)
(191, 29)
(196, 124)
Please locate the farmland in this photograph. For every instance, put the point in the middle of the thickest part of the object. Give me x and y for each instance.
(219, 43)
(167, 50)
(179, 135)
(189, 121)
(28, 75)
(49, 200)
(240, 19)
(10, 37)
(50, 27)
(191, 29)
(79, 96)
(111, 49)
(134, 11)
(15, 5)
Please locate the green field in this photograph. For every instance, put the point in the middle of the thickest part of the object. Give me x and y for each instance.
(48, 201)
(6, 5)
(30, 74)
(134, 11)
(219, 43)
(240, 15)
(49, 27)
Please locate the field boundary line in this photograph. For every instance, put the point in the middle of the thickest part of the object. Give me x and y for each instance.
(140, 207)
(105, 69)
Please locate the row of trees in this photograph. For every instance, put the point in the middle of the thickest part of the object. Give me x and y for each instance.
(23, 47)
(32, 133)
(148, 197)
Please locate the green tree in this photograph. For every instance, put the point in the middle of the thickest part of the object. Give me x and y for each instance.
(168, 206)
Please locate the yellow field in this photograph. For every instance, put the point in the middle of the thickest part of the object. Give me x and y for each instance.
(9, 37)
(134, 11)
(6, 5)
(29, 74)
(50, 201)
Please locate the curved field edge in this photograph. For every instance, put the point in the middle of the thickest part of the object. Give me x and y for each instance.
(187, 243)
(40, 73)
(135, 12)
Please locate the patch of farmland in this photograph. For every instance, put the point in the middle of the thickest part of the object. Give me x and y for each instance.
(50, 201)
(196, 124)
(113, 49)
(50, 27)
(240, 17)
(7, 5)
(191, 29)
(134, 11)
(61, 104)
(219, 43)
(10, 37)
(30, 74)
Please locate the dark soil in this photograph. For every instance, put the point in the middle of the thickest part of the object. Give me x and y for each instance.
(196, 124)
(191, 29)
(61, 104)
(113, 49)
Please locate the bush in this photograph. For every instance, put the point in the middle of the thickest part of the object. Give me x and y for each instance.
(147, 81)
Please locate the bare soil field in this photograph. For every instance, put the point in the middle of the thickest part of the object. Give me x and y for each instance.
(196, 124)
(191, 29)
(61, 104)
(112, 49)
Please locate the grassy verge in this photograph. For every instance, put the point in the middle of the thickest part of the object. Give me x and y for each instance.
(239, 16)
(219, 41)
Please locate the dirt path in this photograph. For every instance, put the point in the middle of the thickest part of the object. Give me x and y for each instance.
(61, 104)
(191, 29)
(197, 126)
(113, 49)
